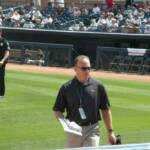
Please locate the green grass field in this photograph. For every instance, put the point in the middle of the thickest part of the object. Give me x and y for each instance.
(27, 121)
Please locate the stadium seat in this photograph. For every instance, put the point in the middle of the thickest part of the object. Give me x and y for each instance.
(146, 66)
(136, 64)
(115, 64)
(126, 63)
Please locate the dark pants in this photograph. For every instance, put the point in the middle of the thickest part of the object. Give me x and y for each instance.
(2, 81)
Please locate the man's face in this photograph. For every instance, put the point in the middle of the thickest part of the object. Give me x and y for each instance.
(82, 68)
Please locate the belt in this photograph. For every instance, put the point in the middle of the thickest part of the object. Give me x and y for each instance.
(87, 123)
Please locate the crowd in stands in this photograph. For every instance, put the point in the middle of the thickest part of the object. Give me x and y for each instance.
(133, 18)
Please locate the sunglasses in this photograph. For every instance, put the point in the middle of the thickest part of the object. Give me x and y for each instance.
(85, 68)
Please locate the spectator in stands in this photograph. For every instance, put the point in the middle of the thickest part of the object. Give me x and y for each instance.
(4, 54)
(128, 10)
(8, 16)
(134, 11)
(29, 24)
(36, 13)
(128, 2)
(131, 24)
(129, 20)
(93, 25)
(82, 98)
(82, 27)
(46, 21)
(109, 19)
(113, 26)
(16, 16)
(59, 10)
(147, 12)
(96, 9)
(76, 12)
(147, 28)
(120, 18)
(49, 18)
(136, 20)
(101, 23)
(141, 13)
(11, 12)
(71, 8)
(142, 27)
(84, 11)
(109, 4)
(74, 27)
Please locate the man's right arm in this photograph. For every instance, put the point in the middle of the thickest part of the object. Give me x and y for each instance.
(58, 114)
(60, 104)
(4, 58)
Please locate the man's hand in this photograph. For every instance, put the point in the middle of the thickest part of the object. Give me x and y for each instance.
(107, 117)
(111, 138)
(1, 63)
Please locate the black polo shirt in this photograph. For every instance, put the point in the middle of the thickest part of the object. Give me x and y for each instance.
(91, 95)
(4, 46)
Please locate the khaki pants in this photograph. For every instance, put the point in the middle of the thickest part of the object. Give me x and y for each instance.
(90, 137)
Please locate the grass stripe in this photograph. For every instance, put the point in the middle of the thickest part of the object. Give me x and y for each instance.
(27, 121)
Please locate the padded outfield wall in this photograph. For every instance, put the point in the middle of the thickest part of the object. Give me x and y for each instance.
(83, 42)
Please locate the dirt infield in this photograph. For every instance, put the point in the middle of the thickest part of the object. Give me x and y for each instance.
(70, 71)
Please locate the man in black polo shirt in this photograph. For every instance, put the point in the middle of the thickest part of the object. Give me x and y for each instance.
(4, 54)
(82, 98)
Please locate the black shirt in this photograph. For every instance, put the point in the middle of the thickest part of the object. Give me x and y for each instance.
(91, 95)
(4, 46)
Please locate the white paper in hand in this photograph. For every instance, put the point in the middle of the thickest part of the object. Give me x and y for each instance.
(71, 127)
(75, 126)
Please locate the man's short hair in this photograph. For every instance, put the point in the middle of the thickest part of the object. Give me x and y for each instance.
(80, 57)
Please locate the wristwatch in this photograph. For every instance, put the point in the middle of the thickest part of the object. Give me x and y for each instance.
(110, 130)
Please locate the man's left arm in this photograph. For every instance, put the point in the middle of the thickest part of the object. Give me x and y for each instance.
(107, 117)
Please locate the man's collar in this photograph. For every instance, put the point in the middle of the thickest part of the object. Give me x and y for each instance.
(85, 83)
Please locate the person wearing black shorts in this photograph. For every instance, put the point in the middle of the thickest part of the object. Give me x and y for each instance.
(4, 54)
